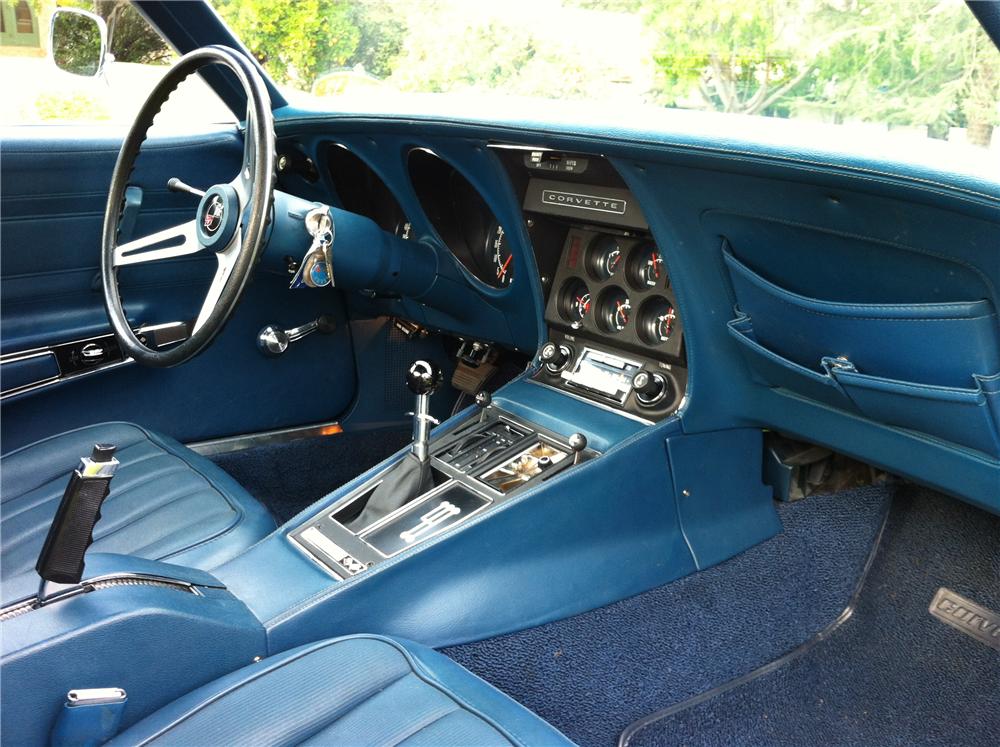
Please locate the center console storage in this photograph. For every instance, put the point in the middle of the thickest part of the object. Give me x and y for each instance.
(474, 468)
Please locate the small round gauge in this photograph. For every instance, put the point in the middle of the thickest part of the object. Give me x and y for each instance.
(657, 321)
(605, 257)
(615, 310)
(645, 266)
(500, 258)
(574, 301)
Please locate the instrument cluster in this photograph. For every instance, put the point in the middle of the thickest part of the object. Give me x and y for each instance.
(616, 286)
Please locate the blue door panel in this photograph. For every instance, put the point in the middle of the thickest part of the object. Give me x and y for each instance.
(55, 188)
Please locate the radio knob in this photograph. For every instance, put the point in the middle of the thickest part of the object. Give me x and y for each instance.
(555, 357)
(650, 388)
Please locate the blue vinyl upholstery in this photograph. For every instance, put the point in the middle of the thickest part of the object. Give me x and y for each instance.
(358, 690)
(166, 502)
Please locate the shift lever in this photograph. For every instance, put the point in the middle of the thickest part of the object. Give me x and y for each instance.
(411, 476)
(423, 379)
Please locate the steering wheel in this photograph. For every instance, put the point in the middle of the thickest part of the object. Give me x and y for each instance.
(231, 220)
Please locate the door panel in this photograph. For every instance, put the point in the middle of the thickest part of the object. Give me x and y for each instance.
(55, 186)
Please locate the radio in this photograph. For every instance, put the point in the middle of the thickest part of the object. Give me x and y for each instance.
(602, 373)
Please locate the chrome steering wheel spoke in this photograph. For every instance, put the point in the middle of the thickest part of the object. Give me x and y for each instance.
(243, 183)
(130, 253)
(227, 261)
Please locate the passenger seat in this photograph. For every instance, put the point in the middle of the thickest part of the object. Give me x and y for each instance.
(356, 690)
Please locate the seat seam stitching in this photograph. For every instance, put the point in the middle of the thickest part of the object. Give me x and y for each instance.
(217, 697)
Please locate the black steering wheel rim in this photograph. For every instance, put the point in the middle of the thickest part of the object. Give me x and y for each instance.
(253, 190)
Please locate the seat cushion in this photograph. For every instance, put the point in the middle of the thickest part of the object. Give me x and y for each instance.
(358, 690)
(166, 502)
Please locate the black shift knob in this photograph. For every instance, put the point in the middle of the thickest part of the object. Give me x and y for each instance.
(424, 377)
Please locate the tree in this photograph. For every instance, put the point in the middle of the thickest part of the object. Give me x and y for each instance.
(908, 62)
(740, 55)
(298, 41)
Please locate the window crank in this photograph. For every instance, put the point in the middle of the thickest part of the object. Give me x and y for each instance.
(273, 341)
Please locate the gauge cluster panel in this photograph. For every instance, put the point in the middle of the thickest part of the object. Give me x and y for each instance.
(615, 288)
(614, 333)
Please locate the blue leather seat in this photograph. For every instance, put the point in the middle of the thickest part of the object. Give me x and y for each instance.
(166, 502)
(352, 691)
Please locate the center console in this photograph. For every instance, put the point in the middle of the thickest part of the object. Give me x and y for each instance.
(475, 467)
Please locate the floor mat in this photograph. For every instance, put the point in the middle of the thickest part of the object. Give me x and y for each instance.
(891, 674)
(287, 477)
(594, 674)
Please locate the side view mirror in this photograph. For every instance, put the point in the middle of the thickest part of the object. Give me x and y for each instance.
(78, 41)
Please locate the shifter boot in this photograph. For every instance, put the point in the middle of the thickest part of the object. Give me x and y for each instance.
(404, 482)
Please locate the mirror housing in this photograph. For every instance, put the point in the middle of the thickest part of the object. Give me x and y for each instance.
(78, 42)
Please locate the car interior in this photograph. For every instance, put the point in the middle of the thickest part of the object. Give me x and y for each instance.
(493, 427)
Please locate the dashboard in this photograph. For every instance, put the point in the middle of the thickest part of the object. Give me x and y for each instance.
(614, 336)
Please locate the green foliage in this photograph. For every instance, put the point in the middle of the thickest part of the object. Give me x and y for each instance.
(895, 62)
(888, 64)
(740, 55)
(77, 46)
(298, 41)
(131, 38)
(73, 107)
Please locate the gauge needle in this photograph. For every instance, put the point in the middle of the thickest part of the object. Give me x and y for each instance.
(656, 265)
(503, 270)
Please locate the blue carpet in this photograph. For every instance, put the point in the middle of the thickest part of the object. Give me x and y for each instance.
(287, 477)
(594, 674)
(892, 674)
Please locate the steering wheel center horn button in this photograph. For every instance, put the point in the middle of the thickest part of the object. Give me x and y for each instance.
(218, 217)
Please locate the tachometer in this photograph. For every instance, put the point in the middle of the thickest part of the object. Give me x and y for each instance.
(500, 257)
(604, 258)
(615, 310)
(574, 301)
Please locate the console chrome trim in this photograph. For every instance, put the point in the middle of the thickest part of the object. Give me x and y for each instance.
(97, 583)
(591, 402)
(229, 444)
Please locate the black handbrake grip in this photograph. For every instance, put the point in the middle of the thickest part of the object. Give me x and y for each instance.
(72, 530)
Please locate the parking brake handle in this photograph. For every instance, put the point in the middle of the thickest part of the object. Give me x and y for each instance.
(71, 533)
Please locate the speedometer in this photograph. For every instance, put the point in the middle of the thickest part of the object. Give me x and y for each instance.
(500, 258)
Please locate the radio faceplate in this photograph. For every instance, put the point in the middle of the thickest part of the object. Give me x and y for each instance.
(601, 375)
(605, 374)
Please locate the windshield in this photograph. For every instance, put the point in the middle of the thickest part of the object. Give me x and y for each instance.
(917, 68)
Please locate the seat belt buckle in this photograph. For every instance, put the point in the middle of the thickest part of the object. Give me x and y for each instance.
(89, 717)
